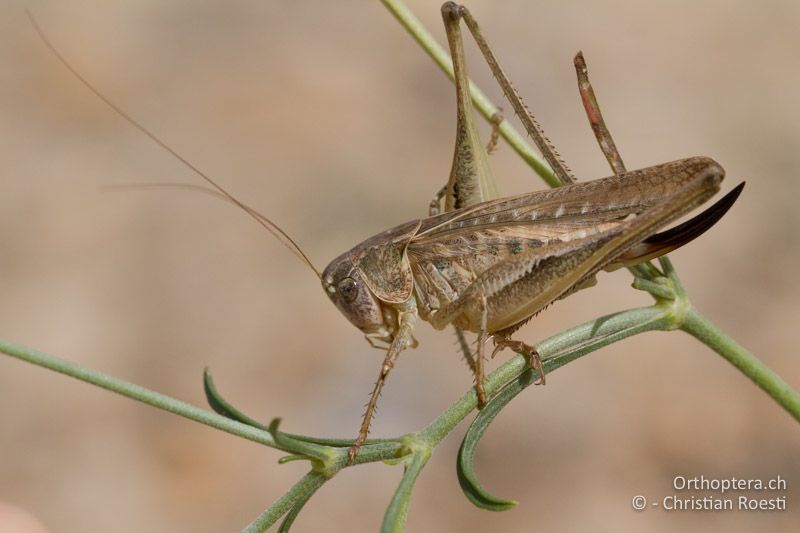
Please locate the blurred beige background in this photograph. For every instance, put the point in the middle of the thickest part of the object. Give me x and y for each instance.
(328, 118)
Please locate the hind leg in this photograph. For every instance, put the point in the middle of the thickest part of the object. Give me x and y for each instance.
(528, 351)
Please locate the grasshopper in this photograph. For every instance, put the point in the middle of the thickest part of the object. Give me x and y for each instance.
(487, 265)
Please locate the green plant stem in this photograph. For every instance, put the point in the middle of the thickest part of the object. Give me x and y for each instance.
(556, 351)
(394, 519)
(484, 105)
(709, 334)
(138, 393)
(299, 493)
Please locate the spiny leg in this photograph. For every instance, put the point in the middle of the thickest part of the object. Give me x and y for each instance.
(386, 367)
(454, 13)
(596, 120)
(526, 350)
(598, 123)
(464, 345)
(407, 320)
(496, 120)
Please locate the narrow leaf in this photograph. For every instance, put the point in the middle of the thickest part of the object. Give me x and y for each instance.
(221, 406)
(395, 518)
(290, 517)
(473, 490)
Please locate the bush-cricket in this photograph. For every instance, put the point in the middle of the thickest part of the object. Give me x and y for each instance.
(487, 264)
(490, 265)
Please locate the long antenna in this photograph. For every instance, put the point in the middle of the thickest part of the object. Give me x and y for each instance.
(270, 226)
(190, 187)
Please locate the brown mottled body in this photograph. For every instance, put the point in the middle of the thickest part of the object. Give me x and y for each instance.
(524, 252)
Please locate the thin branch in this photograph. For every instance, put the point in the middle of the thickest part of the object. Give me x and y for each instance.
(706, 332)
(395, 518)
(378, 451)
(297, 495)
(136, 392)
(556, 352)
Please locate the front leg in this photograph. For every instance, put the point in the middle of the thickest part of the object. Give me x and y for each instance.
(407, 319)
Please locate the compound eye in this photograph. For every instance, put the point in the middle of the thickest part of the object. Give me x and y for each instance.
(348, 288)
